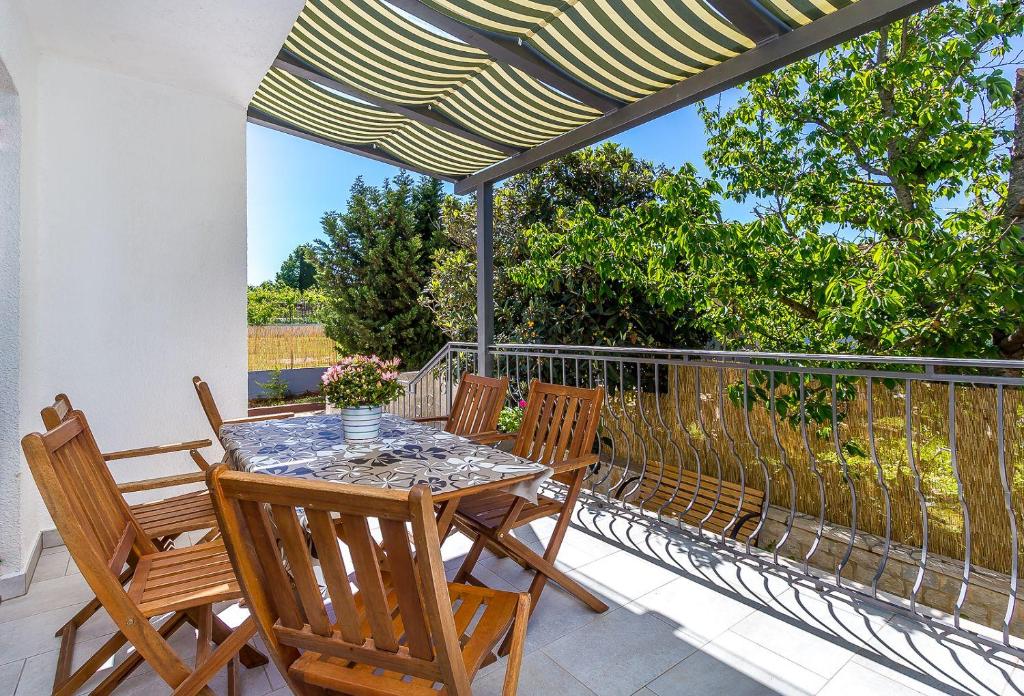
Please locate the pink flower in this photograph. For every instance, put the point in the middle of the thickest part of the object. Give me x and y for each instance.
(522, 403)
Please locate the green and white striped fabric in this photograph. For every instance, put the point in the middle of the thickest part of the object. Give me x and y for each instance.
(371, 46)
(625, 49)
(321, 112)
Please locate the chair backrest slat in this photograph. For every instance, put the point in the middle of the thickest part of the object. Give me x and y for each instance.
(79, 491)
(369, 581)
(399, 618)
(559, 423)
(289, 531)
(208, 404)
(477, 405)
(324, 535)
(403, 576)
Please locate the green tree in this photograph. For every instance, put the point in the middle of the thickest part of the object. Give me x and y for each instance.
(299, 269)
(373, 265)
(271, 302)
(879, 174)
(575, 305)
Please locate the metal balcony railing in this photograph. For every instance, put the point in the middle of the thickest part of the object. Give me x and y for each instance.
(902, 478)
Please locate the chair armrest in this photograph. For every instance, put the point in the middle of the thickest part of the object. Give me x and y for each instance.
(429, 419)
(162, 482)
(491, 437)
(256, 419)
(574, 464)
(157, 449)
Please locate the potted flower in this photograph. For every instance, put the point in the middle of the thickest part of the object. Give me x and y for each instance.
(358, 387)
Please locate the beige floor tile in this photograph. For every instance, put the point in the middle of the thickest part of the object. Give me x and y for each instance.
(855, 678)
(557, 613)
(34, 634)
(619, 652)
(818, 649)
(699, 611)
(51, 566)
(540, 676)
(46, 595)
(917, 656)
(733, 665)
(10, 673)
(623, 576)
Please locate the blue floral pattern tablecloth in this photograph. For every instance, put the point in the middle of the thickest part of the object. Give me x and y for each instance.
(406, 454)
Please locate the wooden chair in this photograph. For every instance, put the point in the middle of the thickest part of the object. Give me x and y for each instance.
(558, 429)
(162, 520)
(402, 632)
(669, 489)
(475, 409)
(213, 413)
(102, 536)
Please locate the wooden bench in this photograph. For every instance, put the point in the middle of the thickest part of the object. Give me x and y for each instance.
(657, 485)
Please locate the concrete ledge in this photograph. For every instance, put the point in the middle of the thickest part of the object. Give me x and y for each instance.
(16, 584)
(300, 381)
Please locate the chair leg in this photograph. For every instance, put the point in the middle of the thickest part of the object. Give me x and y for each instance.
(204, 671)
(132, 661)
(204, 633)
(232, 677)
(469, 562)
(67, 634)
(249, 656)
(71, 683)
(91, 608)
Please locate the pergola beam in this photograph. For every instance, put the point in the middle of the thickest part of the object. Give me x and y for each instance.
(484, 277)
(267, 121)
(295, 66)
(843, 24)
(751, 19)
(511, 53)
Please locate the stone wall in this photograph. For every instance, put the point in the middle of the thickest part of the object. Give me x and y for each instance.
(987, 594)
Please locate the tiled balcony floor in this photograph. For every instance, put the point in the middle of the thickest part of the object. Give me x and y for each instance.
(684, 619)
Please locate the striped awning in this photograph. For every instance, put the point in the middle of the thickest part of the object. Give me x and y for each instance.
(453, 87)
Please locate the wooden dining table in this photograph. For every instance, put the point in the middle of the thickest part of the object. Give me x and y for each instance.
(406, 454)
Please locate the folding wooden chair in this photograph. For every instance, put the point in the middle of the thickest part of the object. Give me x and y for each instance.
(558, 429)
(102, 536)
(161, 520)
(405, 631)
(213, 413)
(475, 409)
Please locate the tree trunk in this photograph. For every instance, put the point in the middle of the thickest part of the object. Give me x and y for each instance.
(1012, 346)
(1014, 207)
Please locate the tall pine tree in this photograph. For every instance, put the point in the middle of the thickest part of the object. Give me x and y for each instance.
(373, 265)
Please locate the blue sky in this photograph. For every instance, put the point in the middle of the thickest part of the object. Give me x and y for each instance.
(292, 182)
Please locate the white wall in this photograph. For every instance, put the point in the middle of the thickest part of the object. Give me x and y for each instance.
(127, 258)
(137, 264)
(17, 102)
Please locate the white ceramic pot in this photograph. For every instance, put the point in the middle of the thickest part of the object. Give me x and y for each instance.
(361, 423)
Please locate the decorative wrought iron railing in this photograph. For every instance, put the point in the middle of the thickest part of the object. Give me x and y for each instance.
(903, 478)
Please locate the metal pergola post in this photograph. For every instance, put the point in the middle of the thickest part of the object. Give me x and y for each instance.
(484, 276)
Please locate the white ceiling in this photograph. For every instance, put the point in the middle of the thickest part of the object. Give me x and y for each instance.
(219, 47)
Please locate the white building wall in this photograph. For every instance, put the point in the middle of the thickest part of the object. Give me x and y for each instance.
(131, 234)
(19, 520)
(137, 265)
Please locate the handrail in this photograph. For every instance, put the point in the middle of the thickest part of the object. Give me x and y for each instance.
(765, 425)
(980, 363)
